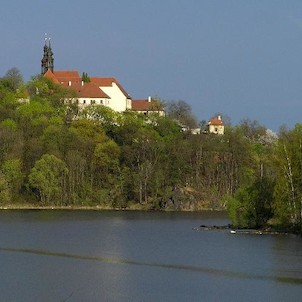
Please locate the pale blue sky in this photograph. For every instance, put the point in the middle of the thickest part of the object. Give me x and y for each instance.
(238, 57)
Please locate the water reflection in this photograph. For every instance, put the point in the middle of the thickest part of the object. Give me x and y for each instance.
(139, 256)
(217, 272)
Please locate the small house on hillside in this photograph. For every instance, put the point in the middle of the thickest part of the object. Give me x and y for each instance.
(216, 125)
(148, 106)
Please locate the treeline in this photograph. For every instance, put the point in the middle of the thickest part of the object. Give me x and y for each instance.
(52, 154)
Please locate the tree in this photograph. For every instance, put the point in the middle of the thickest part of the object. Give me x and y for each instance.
(5, 196)
(88, 153)
(288, 167)
(32, 119)
(181, 111)
(252, 206)
(167, 128)
(11, 169)
(10, 140)
(85, 77)
(48, 177)
(54, 137)
(13, 79)
(252, 129)
(102, 116)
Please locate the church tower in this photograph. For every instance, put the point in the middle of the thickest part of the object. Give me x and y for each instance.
(47, 60)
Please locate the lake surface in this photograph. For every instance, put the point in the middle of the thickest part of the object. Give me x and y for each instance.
(142, 256)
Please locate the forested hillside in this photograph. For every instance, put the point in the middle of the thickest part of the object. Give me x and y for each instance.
(53, 155)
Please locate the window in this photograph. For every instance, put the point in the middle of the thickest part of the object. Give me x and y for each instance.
(92, 101)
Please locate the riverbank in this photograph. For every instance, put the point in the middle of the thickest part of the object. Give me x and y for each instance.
(133, 207)
(271, 229)
(71, 208)
(268, 230)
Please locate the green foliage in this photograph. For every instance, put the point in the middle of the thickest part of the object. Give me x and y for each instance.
(5, 196)
(85, 77)
(236, 211)
(167, 128)
(252, 206)
(107, 153)
(13, 79)
(288, 167)
(12, 171)
(102, 116)
(96, 156)
(9, 124)
(34, 110)
(48, 176)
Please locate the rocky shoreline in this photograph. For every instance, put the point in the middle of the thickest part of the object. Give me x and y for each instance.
(236, 230)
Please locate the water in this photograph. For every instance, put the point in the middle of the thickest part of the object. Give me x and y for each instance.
(138, 256)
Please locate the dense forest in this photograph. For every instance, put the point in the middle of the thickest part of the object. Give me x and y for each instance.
(52, 154)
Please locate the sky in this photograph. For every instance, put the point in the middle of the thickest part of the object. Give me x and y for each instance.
(240, 58)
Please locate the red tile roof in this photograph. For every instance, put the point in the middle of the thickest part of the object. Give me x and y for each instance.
(141, 105)
(107, 82)
(67, 75)
(146, 105)
(48, 74)
(216, 121)
(87, 90)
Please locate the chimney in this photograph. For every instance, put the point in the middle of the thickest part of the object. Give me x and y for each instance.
(149, 99)
(219, 117)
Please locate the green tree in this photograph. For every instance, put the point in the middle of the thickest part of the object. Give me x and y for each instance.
(13, 79)
(85, 77)
(288, 167)
(54, 137)
(252, 206)
(10, 140)
(86, 159)
(12, 170)
(48, 176)
(5, 196)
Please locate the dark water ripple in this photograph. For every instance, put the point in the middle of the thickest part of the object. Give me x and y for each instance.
(216, 272)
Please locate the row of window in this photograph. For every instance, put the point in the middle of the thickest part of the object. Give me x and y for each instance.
(92, 102)
(89, 102)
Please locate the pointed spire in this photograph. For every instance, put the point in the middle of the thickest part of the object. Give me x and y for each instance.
(47, 60)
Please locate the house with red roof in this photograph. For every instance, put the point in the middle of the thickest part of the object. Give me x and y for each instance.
(105, 91)
(216, 125)
(87, 94)
(148, 106)
(97, 90)
(119, 100)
